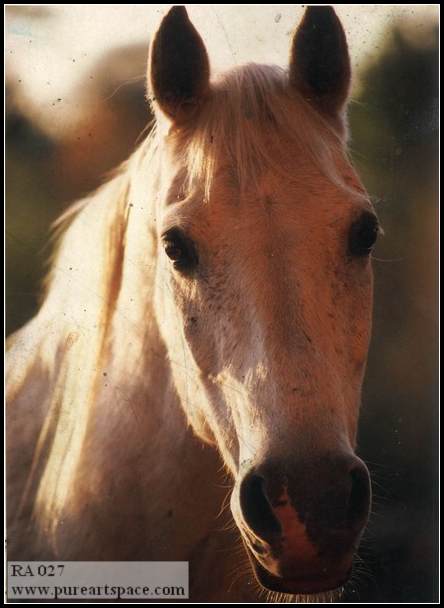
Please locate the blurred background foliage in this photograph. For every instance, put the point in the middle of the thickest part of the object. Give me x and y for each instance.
(394, 126)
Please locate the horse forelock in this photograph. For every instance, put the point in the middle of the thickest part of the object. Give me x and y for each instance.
(250, 112)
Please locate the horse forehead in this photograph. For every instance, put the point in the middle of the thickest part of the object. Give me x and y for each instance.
(277, 199)
(298, 193)
(266, 227)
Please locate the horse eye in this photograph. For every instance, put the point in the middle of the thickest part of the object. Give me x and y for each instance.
(363, 234)
(180, 249)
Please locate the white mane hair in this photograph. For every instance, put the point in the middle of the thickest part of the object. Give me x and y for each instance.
(70, 341)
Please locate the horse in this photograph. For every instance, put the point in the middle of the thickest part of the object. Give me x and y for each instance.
(205, 328)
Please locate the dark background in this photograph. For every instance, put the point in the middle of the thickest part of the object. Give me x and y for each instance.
(394, 125)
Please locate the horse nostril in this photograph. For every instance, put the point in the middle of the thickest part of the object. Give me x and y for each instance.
(256, 507)
(359, 499)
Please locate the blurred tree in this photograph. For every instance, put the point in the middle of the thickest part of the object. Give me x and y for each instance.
(394, 124)
(118, 113)
(43, 176)
(30, 208)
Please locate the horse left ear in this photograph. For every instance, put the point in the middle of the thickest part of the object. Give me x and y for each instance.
(319, 61)
(178, 66)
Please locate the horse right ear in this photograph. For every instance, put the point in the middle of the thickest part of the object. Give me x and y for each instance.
(319, 61)
(178, 67)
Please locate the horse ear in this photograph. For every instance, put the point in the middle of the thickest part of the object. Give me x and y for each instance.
(178, 66)
(319, 60)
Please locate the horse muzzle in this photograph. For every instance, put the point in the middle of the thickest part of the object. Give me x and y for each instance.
(302, 524)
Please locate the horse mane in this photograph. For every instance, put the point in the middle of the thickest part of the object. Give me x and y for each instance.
(70, 336)
(67, 337)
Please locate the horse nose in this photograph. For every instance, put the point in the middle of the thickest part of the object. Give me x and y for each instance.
(329, 495)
